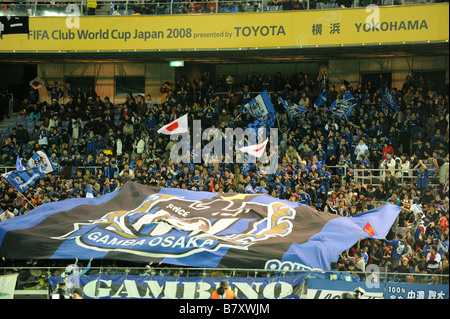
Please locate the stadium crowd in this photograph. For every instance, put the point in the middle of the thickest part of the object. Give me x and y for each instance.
(92, 141)
(161, 7)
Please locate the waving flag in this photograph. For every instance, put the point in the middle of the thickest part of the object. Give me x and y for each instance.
(255, 150)
(343, 108)
(322, 98)
(388, 98)
(294, 110)
(268, 121)
(141, 223)
(369, 229)
(37, 83)
(26, 176)
(23, 180)
(177, 126)
(41, 161)
(260, 106)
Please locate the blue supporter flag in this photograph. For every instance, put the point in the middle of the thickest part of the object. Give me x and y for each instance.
(268, 121)
(343, 108)
(388, 99)
(260, 106)
(23, 180)
(26, 176)
(322, 98)
(294, 110)
(41, 161)
(138, 223)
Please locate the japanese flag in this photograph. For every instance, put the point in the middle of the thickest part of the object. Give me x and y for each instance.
(37, 83)
(255, 150)
(180, 125)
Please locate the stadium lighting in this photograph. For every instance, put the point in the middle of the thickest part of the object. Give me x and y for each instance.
(176, 63)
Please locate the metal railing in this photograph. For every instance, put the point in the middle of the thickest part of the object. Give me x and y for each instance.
(374, 176)
(6, 169)
(169, 7)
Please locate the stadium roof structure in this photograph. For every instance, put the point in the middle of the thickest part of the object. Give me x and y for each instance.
(243, 55)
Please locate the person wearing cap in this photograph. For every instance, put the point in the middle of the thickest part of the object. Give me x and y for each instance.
(223, 292)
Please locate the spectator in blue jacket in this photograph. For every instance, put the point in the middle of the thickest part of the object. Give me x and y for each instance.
(398, 249)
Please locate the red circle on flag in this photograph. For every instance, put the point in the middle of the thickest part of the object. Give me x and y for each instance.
(172, 126)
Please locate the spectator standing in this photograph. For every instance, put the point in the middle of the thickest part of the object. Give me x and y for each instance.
(56, 92)
(398, 250)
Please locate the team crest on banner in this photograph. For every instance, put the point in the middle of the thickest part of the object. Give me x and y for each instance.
(142, 223)
(260, 106)
(343, 108)
(171, 226)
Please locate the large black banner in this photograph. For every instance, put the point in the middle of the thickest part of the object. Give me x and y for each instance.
(188, 228)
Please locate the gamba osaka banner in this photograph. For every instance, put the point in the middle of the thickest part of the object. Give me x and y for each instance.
(170, 287)
(141, 223)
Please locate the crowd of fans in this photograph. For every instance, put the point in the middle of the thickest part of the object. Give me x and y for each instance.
(92, 141)
(160, 7)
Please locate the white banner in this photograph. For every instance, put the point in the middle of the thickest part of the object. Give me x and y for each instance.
(334, 289)
(337, 294)
(7, 286)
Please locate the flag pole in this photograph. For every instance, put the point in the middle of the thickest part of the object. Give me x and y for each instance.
(27, 199)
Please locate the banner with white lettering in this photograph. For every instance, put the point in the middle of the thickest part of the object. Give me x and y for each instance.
(174, 287)
(415, 291)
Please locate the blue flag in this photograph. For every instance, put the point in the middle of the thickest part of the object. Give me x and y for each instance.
(294, 110)
(26, 176)
(138, 223)
(23, 180)
(269, 120)
(260, 106)
(322, 98)
(41, 161)
(388, 98)
(343, 108)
